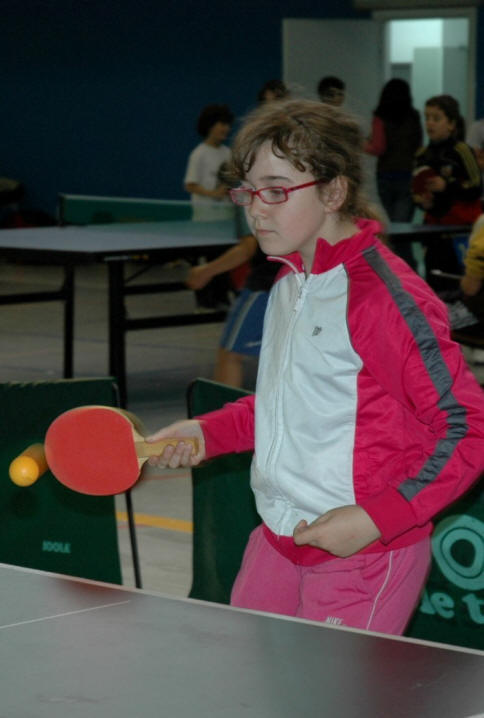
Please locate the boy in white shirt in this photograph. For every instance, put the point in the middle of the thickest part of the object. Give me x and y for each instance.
(209, 196)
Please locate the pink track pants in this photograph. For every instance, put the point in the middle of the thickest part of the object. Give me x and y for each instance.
(373, 591)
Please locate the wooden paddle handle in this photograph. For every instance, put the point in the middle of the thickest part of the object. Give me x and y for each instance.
(145, 449)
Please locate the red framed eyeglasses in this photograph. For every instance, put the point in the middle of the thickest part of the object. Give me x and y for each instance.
(269, 195)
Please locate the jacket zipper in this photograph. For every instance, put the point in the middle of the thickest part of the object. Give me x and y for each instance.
(276, 443)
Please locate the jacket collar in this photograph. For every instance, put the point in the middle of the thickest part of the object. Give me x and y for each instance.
(329, 255)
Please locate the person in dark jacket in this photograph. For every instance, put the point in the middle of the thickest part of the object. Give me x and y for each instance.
(395, 138)
(447, 182)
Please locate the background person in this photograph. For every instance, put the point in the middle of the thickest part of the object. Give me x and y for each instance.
(242, 333)
(396, 136)
(451, 194)
(475, 139)
(202, 172)
(331, 90)
(272, 90)
(208, 191)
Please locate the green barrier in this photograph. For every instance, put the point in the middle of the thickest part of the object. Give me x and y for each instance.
(452, 608)
(224, 510)
(46, 526)
(87, 209)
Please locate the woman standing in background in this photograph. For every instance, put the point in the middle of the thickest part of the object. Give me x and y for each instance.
(395, 138)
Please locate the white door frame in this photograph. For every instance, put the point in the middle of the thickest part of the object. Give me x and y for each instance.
(470, 13)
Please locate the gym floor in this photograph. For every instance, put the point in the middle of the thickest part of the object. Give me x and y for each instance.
(161, 364)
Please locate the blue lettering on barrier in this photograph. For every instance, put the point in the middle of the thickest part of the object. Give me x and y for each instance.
(470, 531)
(468, 575)
(56, 547)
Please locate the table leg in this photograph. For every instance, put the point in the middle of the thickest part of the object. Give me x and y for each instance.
(117, 348)
(68, 293)
(133, 540)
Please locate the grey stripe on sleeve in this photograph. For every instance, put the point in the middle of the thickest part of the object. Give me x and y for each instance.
(438, 373)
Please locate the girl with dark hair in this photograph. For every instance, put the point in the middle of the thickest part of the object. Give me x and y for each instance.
(447, 183)
(452, 194)
(396, 136)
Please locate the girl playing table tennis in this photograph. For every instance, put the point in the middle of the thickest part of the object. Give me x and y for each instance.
(366, 421)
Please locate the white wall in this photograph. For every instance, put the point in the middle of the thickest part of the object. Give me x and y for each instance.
(406, 35)
(350, 49)
(437, 51)
(427, 74)
(455, 32)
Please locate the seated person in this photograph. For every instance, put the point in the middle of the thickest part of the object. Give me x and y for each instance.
(242, 333)
(466, 303)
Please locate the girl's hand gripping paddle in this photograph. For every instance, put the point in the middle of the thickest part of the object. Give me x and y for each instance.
(99, 450)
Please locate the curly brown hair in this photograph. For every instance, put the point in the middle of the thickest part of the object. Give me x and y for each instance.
(312, 136)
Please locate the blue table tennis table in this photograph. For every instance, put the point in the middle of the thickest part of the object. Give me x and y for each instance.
(73, 647)
(115, 244)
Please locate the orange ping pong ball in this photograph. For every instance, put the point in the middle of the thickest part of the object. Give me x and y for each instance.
(28, 466)
(24, 471)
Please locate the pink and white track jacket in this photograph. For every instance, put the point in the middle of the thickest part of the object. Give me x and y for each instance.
(362, 398)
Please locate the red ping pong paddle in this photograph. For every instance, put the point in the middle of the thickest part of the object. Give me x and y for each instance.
(420, 178)
(99, 450)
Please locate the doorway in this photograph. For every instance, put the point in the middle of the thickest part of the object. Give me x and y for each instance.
(432, 54)
(435, 52)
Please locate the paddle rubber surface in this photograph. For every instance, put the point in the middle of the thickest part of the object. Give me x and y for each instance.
(91, 450)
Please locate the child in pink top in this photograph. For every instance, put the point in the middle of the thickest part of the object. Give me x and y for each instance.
(366, 421)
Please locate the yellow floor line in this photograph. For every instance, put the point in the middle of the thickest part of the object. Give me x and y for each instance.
(159, 522)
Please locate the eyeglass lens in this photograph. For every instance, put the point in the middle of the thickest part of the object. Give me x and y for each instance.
(269, 195)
